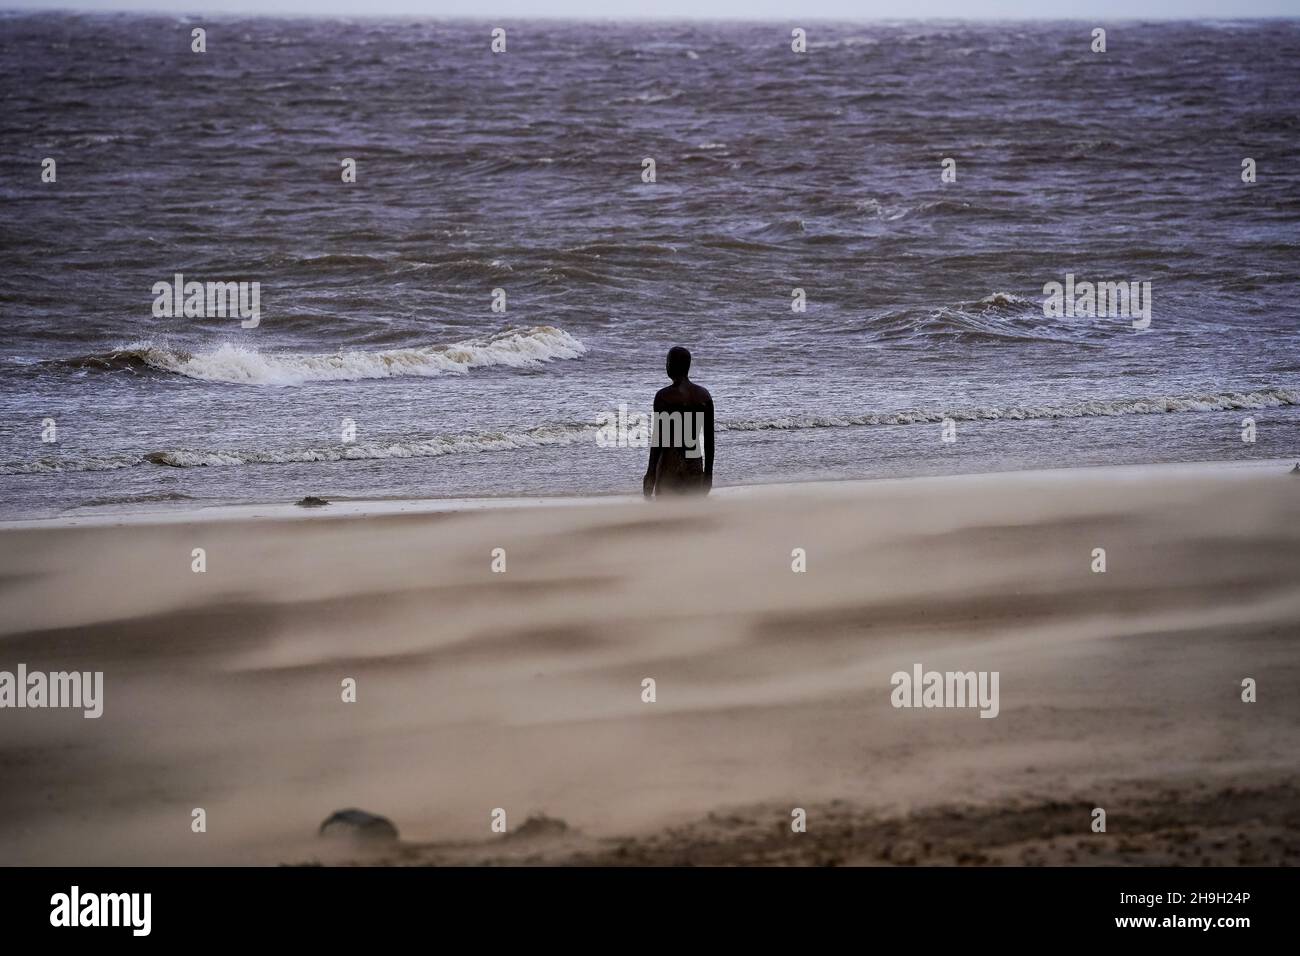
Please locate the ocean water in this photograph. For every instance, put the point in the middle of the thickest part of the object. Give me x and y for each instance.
(522, 172)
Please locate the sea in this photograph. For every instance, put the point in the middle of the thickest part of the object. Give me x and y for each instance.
(464, 262)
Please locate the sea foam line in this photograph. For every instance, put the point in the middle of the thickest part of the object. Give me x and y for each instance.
(572, 433)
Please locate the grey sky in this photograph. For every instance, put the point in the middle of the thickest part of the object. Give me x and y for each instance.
(783, 10)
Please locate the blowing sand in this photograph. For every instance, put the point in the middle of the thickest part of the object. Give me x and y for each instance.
(523, 690)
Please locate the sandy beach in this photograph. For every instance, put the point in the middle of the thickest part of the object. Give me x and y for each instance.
(523, 690)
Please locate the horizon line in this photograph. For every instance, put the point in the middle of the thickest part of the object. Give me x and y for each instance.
(641, 18)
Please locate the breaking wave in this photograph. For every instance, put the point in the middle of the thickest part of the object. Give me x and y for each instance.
(241, 365)
(998, 317)
(571, 433)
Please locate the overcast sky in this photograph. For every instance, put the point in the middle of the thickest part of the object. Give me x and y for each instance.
(784, 10)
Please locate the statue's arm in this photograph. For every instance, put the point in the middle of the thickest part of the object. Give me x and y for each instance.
(648, 482)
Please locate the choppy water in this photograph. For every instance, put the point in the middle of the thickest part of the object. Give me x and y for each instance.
(522, 172)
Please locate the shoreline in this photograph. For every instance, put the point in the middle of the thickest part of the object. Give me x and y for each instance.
(345, 507)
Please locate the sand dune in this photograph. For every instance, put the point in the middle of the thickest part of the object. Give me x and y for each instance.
(523, 690)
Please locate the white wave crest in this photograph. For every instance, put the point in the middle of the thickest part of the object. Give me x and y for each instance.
(239, 365)
(369, 451)
(88, 463)
(1226, 401)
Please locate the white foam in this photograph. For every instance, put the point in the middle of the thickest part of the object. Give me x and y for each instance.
(241, 365)
(362, 451)
(1226, 401)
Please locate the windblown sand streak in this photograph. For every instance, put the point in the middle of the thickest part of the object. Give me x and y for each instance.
(522, 690)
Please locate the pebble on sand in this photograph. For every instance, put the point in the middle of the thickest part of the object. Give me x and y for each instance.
(358, 824)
